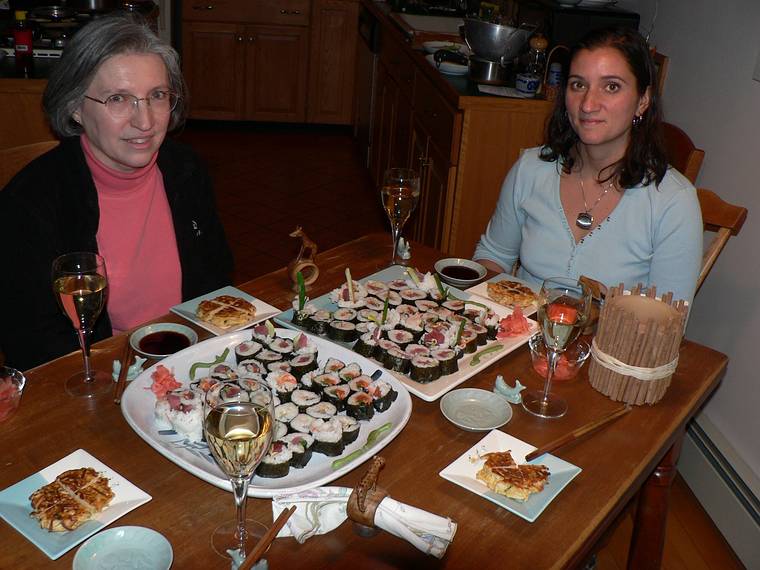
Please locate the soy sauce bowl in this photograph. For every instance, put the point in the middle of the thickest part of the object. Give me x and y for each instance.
(160, 340)
(460, 272)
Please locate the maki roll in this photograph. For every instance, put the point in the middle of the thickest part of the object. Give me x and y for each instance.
(205, 385)
(249, 368)
(425, 369)
(468, 342)
(319, 322)
(350, 429)
(303, 345)
(276, 462)
(368, 315)
(410, 296)
(447, 359)
(283, 346)
(337, 395)
(285, 412)
(300, 445)
(280, 429)
(307, 380)
(383, 395)
(366, 344)
(426, 305)
(406, 311)
(481, 333)
(322, 411)
(328, 437)
(301, 423)
(251, 384)
(322, 381)
(360, 406)
(360, 383)
(383, 346)
(246, 350)
(283, 384)
(223, 372)
(374, 303)
(400, 337)
(350, 372)
(417, 350)
(394, 299)
(454, 305)
(265, 356)
(397, 360)
(278, 365)
(342, 331)
(333, 365)
(345, 314)
(398, 284)
(376, 288)
(428, 318)
(303, 363)
(304, 398)
(363, 327)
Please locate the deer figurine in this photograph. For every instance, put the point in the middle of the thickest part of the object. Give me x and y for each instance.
(304, 261)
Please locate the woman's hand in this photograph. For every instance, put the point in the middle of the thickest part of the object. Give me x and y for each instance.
(490, 265)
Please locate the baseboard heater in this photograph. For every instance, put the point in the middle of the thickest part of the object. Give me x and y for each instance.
(724, 495)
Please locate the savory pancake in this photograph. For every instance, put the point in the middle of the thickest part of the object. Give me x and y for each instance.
(511, 293)
(226, 311)
(502, 475)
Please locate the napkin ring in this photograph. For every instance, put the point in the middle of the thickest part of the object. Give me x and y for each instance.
(365, 498)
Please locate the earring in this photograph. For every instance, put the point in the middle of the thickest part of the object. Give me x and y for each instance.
(637, 120)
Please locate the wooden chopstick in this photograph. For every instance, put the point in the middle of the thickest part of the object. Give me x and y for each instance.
(121, 382)
(264, 542)
(577, 433)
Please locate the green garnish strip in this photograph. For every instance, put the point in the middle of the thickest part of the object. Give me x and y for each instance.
(372, 439)
(459, 332)
(412, 273)
(218, 360)
(385, 308)
(452, 297)
(478, 355)
(350, 284)
(301, 291)
(444, 292)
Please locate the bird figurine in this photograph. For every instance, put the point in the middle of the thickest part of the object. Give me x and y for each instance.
(512, 395)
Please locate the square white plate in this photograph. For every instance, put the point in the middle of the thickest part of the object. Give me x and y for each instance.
(482, 289)
(187, 309)
(462, 472)
(16, 509)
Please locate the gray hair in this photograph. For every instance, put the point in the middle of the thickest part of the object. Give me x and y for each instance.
(114, 34)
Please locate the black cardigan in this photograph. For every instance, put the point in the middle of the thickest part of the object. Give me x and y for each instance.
(51, 208)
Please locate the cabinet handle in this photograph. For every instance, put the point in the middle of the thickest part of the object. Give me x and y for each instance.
(251, 39)
(239, 38)
(204, 7)
(283, 11)
(296, 12)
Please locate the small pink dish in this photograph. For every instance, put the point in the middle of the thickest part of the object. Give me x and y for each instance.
(12, 384)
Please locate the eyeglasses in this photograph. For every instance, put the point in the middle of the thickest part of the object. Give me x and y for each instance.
(122, 105)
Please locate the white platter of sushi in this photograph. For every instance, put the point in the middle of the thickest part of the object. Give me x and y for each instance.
(139, 409)
(468, 363)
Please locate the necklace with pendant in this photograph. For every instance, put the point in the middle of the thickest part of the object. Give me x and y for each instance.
(585, 220)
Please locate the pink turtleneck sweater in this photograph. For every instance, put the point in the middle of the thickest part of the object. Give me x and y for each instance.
(136, 238)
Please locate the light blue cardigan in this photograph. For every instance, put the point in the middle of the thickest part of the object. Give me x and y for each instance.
(653, 236)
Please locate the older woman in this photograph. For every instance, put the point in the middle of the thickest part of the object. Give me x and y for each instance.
(598, 198)
(114, 185)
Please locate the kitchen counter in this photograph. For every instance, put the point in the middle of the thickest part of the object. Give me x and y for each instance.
(42, 68)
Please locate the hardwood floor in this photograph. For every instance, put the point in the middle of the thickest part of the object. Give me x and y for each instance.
(271, 178)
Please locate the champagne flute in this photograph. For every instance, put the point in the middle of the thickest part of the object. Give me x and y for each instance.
(564, 305)
(80, 285)
(238, 430)
(399, 193)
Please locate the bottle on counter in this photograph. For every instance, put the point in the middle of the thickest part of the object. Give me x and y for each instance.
(22, 40)
(536, 61)
(553, 81)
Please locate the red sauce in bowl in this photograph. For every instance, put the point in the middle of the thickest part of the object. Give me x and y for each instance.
(163, 342)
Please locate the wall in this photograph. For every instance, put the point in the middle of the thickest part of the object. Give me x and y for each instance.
(709, 92)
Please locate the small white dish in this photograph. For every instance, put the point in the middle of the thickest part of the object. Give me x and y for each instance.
(447, 67)
(133, 547)
(137, 336)
(447, 268)
(481, 289)
(187, 310)
(473, 409)
(463, 472)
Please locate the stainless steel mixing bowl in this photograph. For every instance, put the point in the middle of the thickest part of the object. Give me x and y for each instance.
(494, 42)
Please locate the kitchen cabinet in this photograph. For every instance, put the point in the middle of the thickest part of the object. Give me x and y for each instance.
(22, 120)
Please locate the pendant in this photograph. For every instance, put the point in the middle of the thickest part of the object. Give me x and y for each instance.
(584, 221)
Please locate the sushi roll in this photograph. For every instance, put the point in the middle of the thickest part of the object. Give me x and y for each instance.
(394, 299)
(360, 383)
(345, 314)
(228, 392)
(303, 363)
(280, 429)
(337, 395)
(364, 327)
(383, 345)
(328, 437)
(342, 331)
(307, 380)
(375, 303)
(319, 322)
(350, 429)
(285, 412)
(350, 372)
(398, 284)
(468, 342)
(447, 359)
(322, 381)
(283, 346)
(276, 462)
(397, 360)
(251, 384)
(205, 384)
(417, 350)
(265, 356)
(278, 365)
(223, 372)
(300, 445)
(246, 350)
(426, 305)
(302, 344)
(353, 299)
(455, 319)
(283, 384)
(406, 311)
(360, 406)
(425, 369)
(334, 364)
(301, 423)
(250, 367)
(410, 296)
(263, 397)
(322, 411)
(366, 344)
(442, 312)
(454, 305)
(481, 332)
(383, 395)
(303, 399)
(183, 411)
(400, 337)
(376, 288)
(435, 338)
(368, 315)
(428, 318)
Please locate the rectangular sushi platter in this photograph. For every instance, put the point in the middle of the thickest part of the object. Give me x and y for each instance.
(469, 364)
(139, 404)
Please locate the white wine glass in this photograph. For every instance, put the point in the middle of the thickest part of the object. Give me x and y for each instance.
(399, 193)
(564, 305)
(238, 430)
(80, 285)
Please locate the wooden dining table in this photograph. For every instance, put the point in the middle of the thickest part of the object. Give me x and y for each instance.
(632, 458)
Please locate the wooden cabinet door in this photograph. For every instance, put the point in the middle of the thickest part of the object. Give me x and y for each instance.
(333, 56)
(276, 64)
(384, 118)
(213, 65)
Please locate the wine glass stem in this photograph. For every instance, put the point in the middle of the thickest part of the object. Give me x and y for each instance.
(396, 233)
(240, 491)
(553, 357)
(85, 345)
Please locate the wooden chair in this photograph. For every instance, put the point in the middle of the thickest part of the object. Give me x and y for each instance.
(683, 155)
(721, 217)
(14, 159)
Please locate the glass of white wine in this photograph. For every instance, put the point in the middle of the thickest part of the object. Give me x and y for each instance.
(80, 285)
(564, 305)
(399, 193)
(238, 431)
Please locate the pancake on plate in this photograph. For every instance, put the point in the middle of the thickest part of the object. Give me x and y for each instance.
(502, 475)
(226, 311)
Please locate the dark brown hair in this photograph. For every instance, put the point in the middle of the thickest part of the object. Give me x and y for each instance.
(645, 160)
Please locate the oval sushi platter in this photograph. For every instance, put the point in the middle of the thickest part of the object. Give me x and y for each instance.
(139, 403)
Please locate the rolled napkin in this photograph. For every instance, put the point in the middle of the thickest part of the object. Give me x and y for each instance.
(324, 509)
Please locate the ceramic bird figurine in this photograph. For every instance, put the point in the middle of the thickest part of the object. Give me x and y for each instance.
(134, 369)
(511, 394)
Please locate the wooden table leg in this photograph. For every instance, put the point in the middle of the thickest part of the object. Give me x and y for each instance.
(648, 540)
